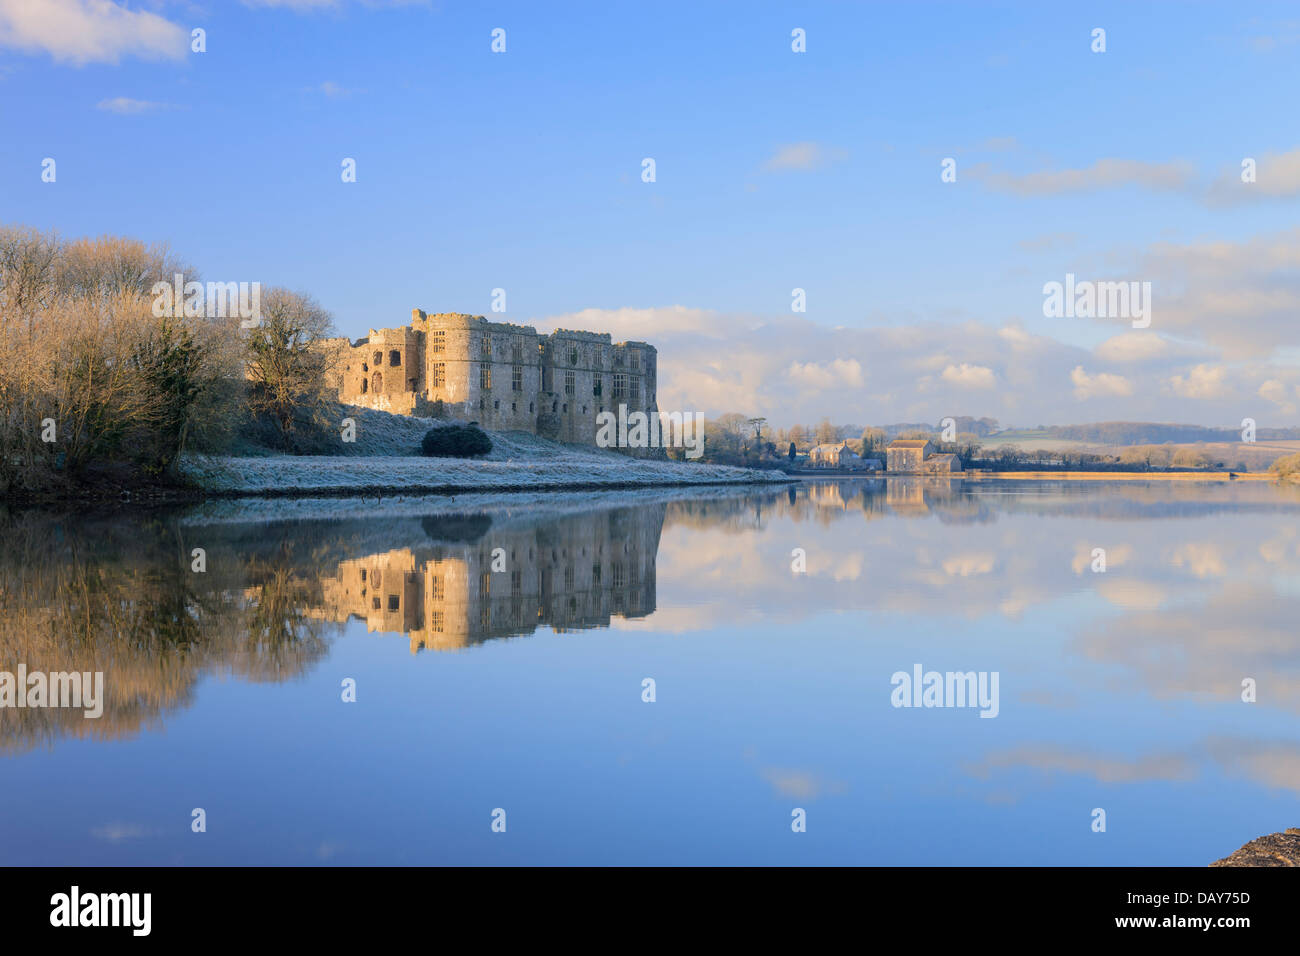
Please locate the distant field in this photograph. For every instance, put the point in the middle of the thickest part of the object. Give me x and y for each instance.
(1255, 456)
(1028, 442)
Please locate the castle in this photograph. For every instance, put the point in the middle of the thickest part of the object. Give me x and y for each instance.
(502, 376)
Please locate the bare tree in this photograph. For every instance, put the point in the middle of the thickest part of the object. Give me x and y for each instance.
(288, 366)
(826, 432)
(88, 375)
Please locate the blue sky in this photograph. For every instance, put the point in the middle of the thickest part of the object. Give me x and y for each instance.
(775, 170)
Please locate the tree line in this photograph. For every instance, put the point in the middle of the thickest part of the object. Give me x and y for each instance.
(97, 391)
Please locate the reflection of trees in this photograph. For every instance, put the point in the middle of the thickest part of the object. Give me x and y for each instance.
(87, 595)
(966, 501)
(279, 640)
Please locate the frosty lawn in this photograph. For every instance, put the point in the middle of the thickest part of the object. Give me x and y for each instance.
(385, 457)
(301, 475)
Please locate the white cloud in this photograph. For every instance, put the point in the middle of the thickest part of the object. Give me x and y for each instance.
(1102, 384)
(1277, 176)
(89, 31)
(127, 106)
(1132, 347)
(791, 369)
(1103, 174)
(307, 6)
(1241, 297)
(836, 372)
(297, 5)
(1050, 242)
(1201, 381)
(966, 375)
(1276, 392)
(1015, 336)
(803, 157)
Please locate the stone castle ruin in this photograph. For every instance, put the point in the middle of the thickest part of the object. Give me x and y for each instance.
(502, 376)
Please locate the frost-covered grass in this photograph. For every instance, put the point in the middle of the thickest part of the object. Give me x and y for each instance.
(503, 506)
(385, 457)
(295, 475)
(381, 434)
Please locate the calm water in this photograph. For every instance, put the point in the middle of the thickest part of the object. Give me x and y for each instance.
(521, 688)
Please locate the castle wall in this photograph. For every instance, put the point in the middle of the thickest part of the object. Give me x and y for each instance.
(503, 376)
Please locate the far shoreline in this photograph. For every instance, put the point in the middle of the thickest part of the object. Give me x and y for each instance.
(1053, 475)
(161, 495)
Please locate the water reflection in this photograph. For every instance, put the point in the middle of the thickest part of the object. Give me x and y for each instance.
(119, 595)
(771, 677)
(477, 579)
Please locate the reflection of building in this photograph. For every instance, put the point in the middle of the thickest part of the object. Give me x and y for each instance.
(906, 496)
(827, 496)
(575, 572)
(916, 456)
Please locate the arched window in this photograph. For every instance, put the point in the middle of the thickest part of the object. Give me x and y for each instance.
(377, 381)
(365, 386)
(379, 359)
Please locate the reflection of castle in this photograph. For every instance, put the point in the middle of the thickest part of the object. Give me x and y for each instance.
(570, 574)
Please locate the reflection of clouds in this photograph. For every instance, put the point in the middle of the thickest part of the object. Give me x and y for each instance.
(846, 567)
(1044, 698)
(121, 832)
(681, 619)
(1115, 556)
(973, 550)
(1277, 548)
(1202, 558)
(1273, 764)
(1055, 760)
(1131, 593)
(800, 784)
(965, 565)
(1243, 630)
(1276, 765)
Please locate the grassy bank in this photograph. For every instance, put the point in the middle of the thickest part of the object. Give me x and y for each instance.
(308, 475)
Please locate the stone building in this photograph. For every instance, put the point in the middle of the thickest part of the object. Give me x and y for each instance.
(503, 376)
(915, 456)
(907, 454)
(838, 455)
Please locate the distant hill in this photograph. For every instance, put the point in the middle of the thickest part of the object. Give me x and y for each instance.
(1148, 433)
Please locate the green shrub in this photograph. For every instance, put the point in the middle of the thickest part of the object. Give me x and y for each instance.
(456, 441)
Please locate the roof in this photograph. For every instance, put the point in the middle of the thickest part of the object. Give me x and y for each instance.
(909, 443)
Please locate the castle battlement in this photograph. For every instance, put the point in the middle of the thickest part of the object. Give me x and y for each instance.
(501, 375)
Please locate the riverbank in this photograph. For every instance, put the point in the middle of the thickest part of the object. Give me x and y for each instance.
(1122, 475)
(304, 476)
(1275, 849)
(977, 475)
